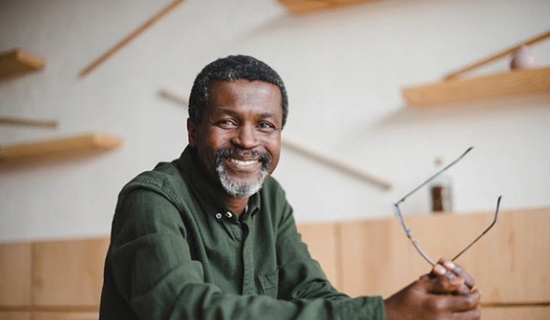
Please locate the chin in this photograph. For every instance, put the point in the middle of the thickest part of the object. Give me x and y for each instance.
(238, 188)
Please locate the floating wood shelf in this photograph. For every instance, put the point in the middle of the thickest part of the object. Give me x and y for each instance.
(76, 145)
(455, 89)
(17, 62)
(498, 86)
(306, 6)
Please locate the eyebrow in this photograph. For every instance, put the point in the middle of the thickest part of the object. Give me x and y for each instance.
(234, 113)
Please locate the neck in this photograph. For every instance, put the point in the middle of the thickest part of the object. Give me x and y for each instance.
(238, 205)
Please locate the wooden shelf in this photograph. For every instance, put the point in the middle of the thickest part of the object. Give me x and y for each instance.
(17, 62)
(498, 86)
(76, 145)
(306, 6)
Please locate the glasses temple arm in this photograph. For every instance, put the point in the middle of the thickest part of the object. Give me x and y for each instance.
(483, 233)
(410, 236)
(435, 175)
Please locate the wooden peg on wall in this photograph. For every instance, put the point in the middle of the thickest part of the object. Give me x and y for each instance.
(130, 37)
(336, 164)
(174, 96)
(28, 122)
(456, 74)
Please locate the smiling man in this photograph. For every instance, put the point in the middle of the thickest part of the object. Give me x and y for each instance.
(211, 235)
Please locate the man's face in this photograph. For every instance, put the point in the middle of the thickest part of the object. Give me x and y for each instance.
(239, 138)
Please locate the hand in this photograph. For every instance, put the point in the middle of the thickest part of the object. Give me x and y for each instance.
(445, 293)
(450, 278)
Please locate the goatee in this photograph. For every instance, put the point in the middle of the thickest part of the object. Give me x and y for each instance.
(234, 187)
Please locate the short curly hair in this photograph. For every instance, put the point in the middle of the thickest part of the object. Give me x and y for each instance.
(232, 68)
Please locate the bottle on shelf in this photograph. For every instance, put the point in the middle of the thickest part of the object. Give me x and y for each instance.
(441, 190)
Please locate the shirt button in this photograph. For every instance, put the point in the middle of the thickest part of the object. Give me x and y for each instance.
(228, 214)
(218, 216)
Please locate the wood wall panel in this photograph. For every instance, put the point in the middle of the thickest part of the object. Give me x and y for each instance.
(322, 242)
(15, 315)
(15, 275)
(376, 260)
(510, 263)
(65, 315)
(69, 273)
(516, 313)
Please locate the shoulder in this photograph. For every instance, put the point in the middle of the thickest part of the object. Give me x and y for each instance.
(164, 179)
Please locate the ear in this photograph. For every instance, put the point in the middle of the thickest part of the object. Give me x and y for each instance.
(191, 133)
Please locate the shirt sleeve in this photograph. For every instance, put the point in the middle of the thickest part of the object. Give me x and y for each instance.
(155, 274)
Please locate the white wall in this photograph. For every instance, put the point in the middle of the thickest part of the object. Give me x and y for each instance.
(344, 70)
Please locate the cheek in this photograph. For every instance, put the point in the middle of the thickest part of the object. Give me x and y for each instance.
(211, 139)
(275, 150)
(208, 143)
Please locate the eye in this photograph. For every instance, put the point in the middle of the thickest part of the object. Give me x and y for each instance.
(266, 127)
(228, 124)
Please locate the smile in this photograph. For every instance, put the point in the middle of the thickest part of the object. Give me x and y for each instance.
(238, 160)
(243, 163)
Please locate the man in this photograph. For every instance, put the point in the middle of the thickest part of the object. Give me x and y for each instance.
(211, 235)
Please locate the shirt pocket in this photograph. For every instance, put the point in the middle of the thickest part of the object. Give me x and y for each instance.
(269, 284)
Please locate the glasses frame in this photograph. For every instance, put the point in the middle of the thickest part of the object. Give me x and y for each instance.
(408, 232)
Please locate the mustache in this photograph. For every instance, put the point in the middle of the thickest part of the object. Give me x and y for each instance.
(264, 157)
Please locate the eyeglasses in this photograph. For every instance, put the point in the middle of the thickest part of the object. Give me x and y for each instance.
(408, 231)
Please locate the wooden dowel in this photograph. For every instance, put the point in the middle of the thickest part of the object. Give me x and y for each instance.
(130, 37)
(174, 96)
(338, 165)
(456, 74)
(28, 122)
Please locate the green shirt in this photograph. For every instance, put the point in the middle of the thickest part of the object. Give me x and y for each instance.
(177, 252)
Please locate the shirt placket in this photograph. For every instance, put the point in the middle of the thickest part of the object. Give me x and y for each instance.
(248, 261)
(240, 232)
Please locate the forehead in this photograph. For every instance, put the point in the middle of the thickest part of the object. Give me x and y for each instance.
(245, 94)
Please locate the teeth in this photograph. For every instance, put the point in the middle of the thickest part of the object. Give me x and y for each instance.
(243, 163)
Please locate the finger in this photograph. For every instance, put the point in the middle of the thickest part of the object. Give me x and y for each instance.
(465, 302)
(456, 271)
(459, 306)
(463, 290)
(459, 272)
(444, 280)
(468, 315)
(446, 274)
(443, 285)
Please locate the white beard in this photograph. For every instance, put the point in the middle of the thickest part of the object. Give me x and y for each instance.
(240, 189)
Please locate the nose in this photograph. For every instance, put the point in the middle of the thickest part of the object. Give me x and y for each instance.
(246, 137)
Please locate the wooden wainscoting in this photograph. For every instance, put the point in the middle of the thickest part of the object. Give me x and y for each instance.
(511, 263)
(322, 241)
(51, 279)
(62, 280)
